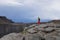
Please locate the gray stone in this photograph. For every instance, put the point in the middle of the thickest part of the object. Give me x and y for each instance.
(33, 37)
(12, 36)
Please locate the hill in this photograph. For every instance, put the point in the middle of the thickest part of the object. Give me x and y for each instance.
(54, 21)
(4, 19)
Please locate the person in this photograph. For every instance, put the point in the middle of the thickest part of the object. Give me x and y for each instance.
(38, 21)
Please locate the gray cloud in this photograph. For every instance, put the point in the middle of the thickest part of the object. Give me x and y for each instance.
(45, 9)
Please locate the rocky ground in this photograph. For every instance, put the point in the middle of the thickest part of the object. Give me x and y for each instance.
(38, 34)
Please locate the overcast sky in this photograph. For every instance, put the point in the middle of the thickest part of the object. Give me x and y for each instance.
(20, 10)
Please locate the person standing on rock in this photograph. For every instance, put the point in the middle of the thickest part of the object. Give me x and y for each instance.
(38, 21)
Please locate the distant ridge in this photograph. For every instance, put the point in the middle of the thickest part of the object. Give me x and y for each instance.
(55, 21)
(4, 19)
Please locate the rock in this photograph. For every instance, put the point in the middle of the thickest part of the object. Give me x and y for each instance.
(12, 36)
(19, 36)
(33, 37)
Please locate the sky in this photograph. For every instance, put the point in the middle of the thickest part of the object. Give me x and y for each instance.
(30, 10)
